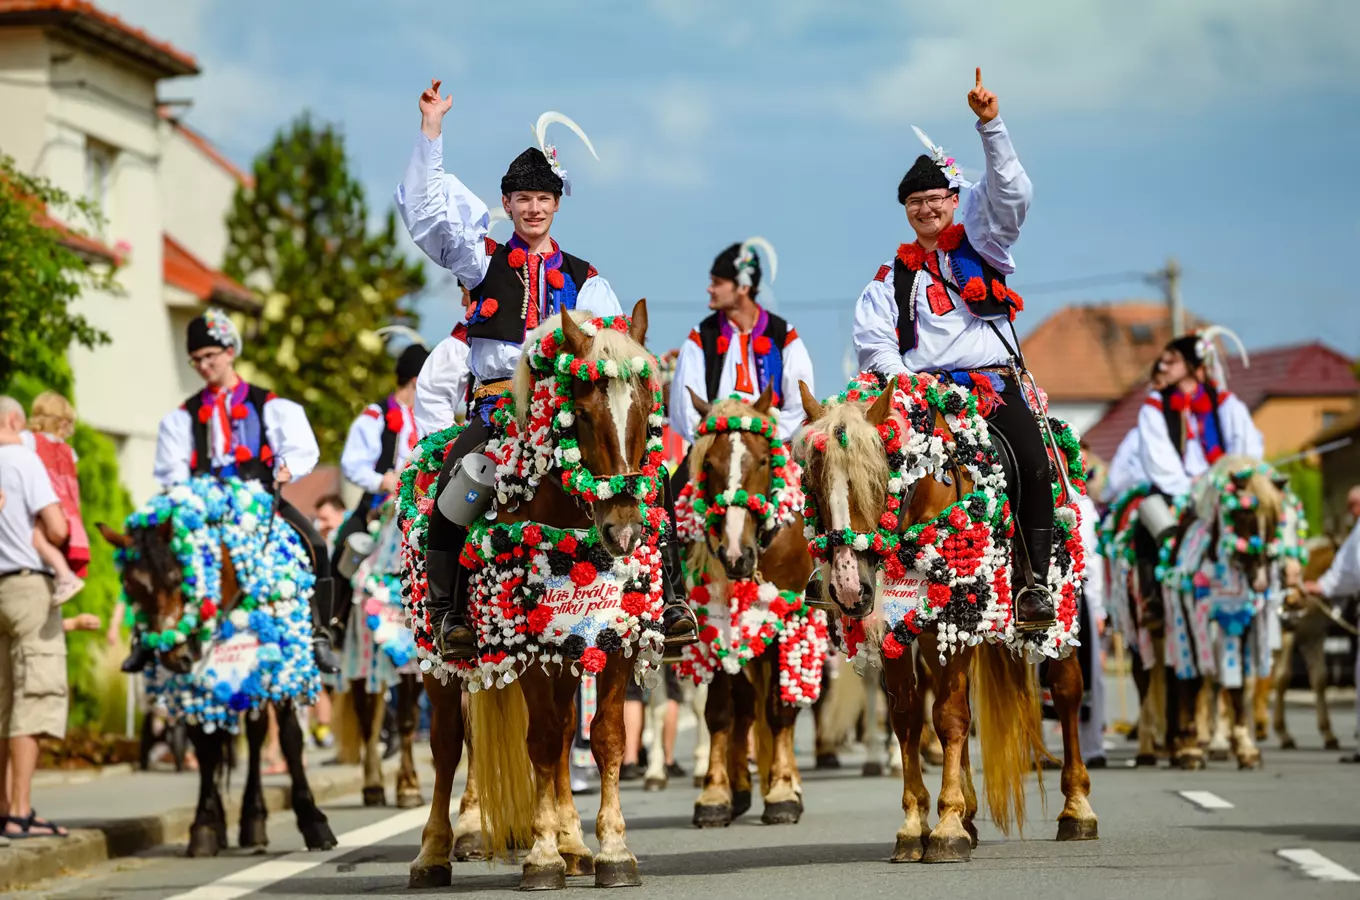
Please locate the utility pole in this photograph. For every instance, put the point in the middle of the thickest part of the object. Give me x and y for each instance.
(1169, 280)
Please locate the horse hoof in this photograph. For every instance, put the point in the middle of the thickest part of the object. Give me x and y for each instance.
(1331, 744)
(872, 770)
(579, 864)
(468, 847)
(543, 878)
(1078, 830)
(712, 816)
(741, 803)
(318, 835)
(203, 841)
(410, 800)
(1191, 763)
(909, 849)
(1261, 733)
(617, 874)
(785, 812)
(969, 827)
(1218, 754)
(951, 849)
(253, 835)
(1288, 743)
(1250, 762)
(1143, 760)
(375, 796)
(429, 876)
(654, 784)
(828, 761)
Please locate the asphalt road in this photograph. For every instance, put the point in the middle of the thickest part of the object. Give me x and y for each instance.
(1225, 841)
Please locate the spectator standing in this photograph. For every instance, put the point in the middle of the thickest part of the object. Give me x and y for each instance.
(49, 428)
(1342, 579)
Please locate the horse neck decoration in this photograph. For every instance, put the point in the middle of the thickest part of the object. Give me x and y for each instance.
(201, 564)
(901, 478)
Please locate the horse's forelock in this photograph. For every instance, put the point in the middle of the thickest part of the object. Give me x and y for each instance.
(861, 461)
(159, 559)
(731, 408)
(607, 345)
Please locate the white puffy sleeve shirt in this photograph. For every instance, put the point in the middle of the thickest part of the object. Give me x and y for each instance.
(285, 426)
(1126, 468)
(363, 446)
(992, 212)
(1342, 577)
(1172, 472)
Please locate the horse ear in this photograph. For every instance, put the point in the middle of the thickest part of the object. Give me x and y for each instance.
(1241, 479)
(881, 409)
(572, 335)
(702, 405)
(812, 409)
(637, 329)
(1281, 481)
(115, 538)
(765, 400)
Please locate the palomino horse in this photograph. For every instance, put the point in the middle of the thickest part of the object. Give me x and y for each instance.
(211, 565)
(1305, 629)
(761, 647)
(586, 405)
(378, 652)
(1239, 541)
(912, 476)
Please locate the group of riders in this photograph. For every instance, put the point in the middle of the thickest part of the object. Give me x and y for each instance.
(939, 307)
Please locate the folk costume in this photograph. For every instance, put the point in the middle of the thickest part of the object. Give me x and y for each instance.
(512, 291)
(247, 432)
(941, 312)
(1182, 435)
(720, 359)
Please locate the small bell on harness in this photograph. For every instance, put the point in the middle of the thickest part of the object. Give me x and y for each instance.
(467, 495)
(358, 547)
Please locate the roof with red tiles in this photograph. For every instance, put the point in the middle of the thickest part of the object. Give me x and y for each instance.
(206, 147)
(83, 244)
(85, 18)
(187, 272)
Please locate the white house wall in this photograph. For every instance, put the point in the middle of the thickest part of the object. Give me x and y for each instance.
(196, 195)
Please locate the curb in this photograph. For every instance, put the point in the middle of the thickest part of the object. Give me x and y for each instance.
(26, 862)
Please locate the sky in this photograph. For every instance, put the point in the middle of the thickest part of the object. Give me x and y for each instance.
(1221, 132)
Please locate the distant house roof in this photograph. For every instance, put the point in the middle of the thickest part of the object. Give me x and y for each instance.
(187, 272)
(206, 147)
(1298, 370)
(88, 20)
(90, 248)
(1095, 352)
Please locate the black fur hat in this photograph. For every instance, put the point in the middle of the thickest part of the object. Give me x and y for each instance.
(1187, 345)
(725, 266)
(212, 329)
(924, 175)
(410, 362)
(531, 171)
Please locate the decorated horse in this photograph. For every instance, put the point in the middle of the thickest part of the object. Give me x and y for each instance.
(1305, 621)
(761, 646)
(378, 652)
(908, 515)
(1239, 544)
(566, 579)
(220, 587)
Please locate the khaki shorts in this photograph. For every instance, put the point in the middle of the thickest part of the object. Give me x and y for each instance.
(32, 659)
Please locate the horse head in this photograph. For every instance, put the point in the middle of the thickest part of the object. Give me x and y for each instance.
(153, 580)
(1252, 504)
(611, 416)
(732, 463)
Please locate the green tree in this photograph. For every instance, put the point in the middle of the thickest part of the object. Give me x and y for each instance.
(40, 276)
(301, 238)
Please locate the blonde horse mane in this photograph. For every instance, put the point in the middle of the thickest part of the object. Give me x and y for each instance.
(861, 460)
(607, 345)
(1271, 498)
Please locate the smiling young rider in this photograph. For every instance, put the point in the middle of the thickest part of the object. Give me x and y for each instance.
(938, 307)
(513, 286)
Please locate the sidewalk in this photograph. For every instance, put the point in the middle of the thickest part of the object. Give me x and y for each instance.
(119, 811)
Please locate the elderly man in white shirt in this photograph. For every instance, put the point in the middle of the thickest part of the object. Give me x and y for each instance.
(1342, 579)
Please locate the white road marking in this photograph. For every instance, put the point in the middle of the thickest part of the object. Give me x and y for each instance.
(1205, 800)
(258, 877)
(1315, 865)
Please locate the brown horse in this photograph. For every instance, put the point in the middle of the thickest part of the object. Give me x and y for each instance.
(1305, 629)
(847, 471)
(742, 550)
(521, 731)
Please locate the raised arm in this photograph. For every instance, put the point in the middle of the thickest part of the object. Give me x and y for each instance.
(444, 218)
(994, 209)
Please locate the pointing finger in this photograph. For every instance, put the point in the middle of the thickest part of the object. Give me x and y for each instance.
(434, 85)
(979, 76)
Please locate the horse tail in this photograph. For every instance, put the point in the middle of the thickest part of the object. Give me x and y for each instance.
(761, 673)
(498, 722)
(1006, 699)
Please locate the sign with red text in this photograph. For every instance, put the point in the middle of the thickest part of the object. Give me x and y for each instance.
(233, 659)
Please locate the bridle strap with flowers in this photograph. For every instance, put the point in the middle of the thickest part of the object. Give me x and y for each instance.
(772, 510)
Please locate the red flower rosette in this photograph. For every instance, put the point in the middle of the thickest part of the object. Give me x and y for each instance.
(567, 544)
(892, 648)
(540, 618)
(593, 659)
(487, 308)
(723, 343)
(238, 412)
(763, 345)
(243, 453)
(583, 573)
(395, 419)
(938, 594)
(634, 603)
(958, 517)
(928, 535)
(699, 595)
(555, 279)
(709, 634)
(517, 258)
(207, 610)
(533, 535)
(893, 568)
(205, 414)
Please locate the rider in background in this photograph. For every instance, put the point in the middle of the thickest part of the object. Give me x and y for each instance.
(936, 306)
(232, 428)
(1126, 467)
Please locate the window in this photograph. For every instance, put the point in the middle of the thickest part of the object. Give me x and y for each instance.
(99, 159)
(1329, 419)
(1141, 334)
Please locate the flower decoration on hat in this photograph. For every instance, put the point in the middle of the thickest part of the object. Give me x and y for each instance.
(946, 163)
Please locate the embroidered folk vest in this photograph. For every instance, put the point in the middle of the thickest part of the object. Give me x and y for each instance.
(770, 334)
(248, 442)
(498, 310)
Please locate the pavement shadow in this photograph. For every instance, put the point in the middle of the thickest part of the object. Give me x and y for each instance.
(1303, 831)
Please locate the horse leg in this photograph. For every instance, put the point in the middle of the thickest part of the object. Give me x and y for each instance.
(570, 839)
(1077, 821)
(702, 737)
(655, 778)
(739, 747)
(253, 833)
(1220, 744)
(873, 743)
(615, 865)
(1281, 671)
(1248, 755)
(714, 806)
(906, 713)
(779, 783)
(208, 833)
(544, 867)
(950, 841)
(431, 867)
(368, 709)
(1315, 659)
(311, 821)
(1181, 715)
(408, 781)
(931, 747)
(1260, 704)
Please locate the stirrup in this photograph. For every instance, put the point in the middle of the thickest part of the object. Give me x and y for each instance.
(456, 652)
(1029, 626)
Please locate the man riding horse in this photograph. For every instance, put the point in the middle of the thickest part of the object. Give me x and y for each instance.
(513, 287)
(232, 428)
(934, 309)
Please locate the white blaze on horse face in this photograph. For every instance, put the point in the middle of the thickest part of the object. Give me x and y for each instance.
(844, 569)
(620, 396)
(735, 514)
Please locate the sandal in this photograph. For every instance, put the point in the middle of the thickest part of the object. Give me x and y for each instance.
(28, 823)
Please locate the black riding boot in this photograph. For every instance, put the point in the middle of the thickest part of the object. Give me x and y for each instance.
(1034, 609)
(323, 597)
(447, 600)
(677, 619)
(141, 655)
